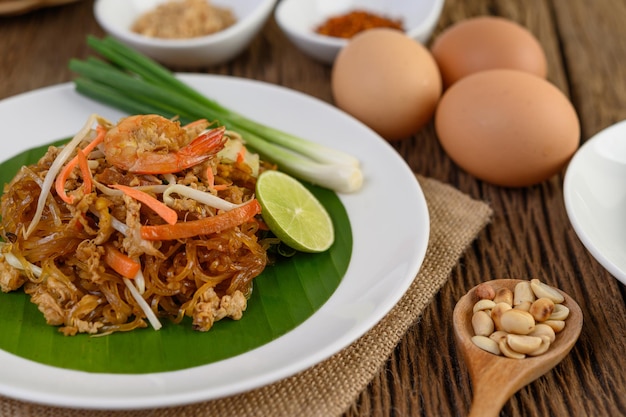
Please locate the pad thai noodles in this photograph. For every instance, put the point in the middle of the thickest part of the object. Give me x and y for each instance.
(131, 223)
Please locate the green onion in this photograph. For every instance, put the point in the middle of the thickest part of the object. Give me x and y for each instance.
(136, 84)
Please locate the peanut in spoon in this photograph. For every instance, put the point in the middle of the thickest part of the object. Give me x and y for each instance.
(496, 378)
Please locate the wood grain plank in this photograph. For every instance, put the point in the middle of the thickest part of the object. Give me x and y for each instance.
(530, 236)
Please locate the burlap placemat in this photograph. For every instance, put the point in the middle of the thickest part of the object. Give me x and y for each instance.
(329, 388)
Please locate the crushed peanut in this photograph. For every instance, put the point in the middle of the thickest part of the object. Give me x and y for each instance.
(184, 19)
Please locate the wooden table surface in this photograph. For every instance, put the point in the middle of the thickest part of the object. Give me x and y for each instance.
(530, 235)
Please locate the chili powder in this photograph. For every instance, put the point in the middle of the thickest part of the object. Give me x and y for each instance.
(349, 24)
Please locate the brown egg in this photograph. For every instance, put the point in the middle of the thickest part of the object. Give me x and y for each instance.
(507, 127)
(484, 43)
(388, 81)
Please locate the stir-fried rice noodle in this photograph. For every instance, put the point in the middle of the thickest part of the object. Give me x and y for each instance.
(85, 256)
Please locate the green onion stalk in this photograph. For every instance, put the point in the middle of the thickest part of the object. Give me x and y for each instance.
(136, 84)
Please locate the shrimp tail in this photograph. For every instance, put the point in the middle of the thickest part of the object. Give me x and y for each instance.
(203, 147)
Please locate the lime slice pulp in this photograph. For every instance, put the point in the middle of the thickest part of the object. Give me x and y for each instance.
(293, 213)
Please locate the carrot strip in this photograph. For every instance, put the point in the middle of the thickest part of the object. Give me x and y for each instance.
(59, 184)
(101, 132)
(241, 155)
(263, 225)
(85, 171)
(67, 169)
(119, 262)
(206, 226)
(166, 213)
(210, 177)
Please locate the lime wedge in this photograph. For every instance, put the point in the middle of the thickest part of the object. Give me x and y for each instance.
(293, 213)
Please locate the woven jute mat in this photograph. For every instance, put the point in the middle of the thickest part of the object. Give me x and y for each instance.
(330, 387)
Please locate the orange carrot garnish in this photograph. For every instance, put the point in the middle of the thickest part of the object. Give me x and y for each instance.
(210, 177)
(166, 213)
(67, 169)
(85, 171)
(206, 226)
(119, 262)
(241, 155)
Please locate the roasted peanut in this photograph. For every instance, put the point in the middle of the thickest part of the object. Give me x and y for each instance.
(541, 309)
(484, 304)
(486, 344)
(497, 335)
(560, 312)
(543, 348)
(496, 313)
(517, 321)
(522, 343)
(504, 295)
(543, 290)
(557, 325)
(523, 293)
(485, 291)
(543, 329)
(482, 324)
(508, 352)
(524, 305)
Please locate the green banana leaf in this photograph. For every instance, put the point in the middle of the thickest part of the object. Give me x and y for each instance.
(284, 295)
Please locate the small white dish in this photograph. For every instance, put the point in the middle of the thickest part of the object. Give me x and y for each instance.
(298, 19)
(117, 16)
(594, 191)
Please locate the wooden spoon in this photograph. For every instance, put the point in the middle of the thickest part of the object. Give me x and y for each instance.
(496, 378)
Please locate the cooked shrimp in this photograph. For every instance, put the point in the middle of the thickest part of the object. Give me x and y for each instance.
(152, 144)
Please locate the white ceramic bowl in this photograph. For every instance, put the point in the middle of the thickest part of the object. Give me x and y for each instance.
(117, 16)
(594, 191)
(299, 18)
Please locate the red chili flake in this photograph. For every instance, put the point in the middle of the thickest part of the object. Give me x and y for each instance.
(349, 24)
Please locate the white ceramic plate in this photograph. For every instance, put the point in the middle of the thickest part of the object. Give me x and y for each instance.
(595, 197)
(390, 226)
